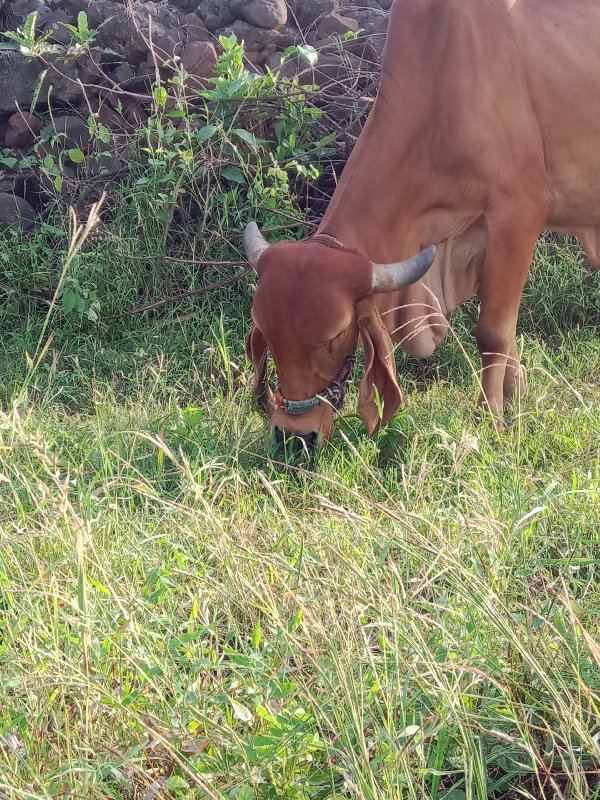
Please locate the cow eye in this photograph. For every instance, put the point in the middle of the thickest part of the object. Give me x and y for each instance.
(335, 339)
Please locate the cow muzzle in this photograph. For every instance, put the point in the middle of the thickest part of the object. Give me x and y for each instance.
(295, 443)
(305, 434)
(307, 424)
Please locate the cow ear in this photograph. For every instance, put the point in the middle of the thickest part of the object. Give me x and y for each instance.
(380, 370)
(257, 352)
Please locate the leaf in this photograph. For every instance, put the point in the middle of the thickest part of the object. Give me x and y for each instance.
(76, 155)
(233, 174)
(82, 23)
(58, 183)
(411, 730)
(29, 26)
(48, 162)
(160, 95)
(453, 794)
(247, 137)
(256, 636)
(243, 792)
(205, 133)
(68, 301)
(38, 88)
(308, 53)
(27, 162)
(175, 782)
(240, 711)
(99, 586)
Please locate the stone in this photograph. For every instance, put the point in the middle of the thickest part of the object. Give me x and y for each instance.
(310, 11)
(369, 17)
(55, 27)
(257, 39)
(336, 24)
(215, 13)
(73, 131)
(19, 78)
(17, 10)
(195, 28)
(134, 112)
(128, 34)
(184, 6)
(23, 128)
(110, 118)
(123, 74)
(16, 213)
(265, 13)
(12, 182)
(199, 60)
(103, 165)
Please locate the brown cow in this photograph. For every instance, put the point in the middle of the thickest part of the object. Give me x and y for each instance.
(485, 131)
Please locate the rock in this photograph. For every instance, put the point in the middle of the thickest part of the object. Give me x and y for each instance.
(334, 23)
(199, 60)
(309, 11)
(23, 128)
(12, 182)
(195, 28)
(362, 46)
(128, 34)
(264, 13)
(19, 77)
(75, 131)
(368, 14)
(55, 27)
(110, 118)
(184, 5)
(17, 10)
(257, 39)
(15, 212)
(123, 74)
(215, 13)
(134, 112)
(103, 165)
(386, 4)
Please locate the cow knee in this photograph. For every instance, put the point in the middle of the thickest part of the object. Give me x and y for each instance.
(492, 341)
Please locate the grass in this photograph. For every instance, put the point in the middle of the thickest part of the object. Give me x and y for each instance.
(409, 616)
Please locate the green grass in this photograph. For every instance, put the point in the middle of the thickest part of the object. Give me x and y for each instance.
(413, 616)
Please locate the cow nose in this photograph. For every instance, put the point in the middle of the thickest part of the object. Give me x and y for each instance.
(295, 443)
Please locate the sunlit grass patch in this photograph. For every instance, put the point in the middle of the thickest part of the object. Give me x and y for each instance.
(413, 615)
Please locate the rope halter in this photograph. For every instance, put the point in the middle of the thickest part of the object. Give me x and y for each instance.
(333, 395)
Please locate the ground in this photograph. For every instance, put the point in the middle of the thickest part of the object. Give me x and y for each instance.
(413, 615)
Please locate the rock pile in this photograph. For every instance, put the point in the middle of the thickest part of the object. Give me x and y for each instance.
(135, 39)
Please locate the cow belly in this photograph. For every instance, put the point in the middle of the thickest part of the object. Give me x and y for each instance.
(576, 206)
(575, 183)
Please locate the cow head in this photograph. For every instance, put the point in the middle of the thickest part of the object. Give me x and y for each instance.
(313, 303)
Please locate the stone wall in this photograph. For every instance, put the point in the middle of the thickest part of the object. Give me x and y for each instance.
(132, 33)
(136, 39)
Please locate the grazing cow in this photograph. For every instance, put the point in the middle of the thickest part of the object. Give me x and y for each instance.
(485, 131)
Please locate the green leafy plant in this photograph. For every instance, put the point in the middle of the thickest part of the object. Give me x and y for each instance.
(82, 36)
(27, 41)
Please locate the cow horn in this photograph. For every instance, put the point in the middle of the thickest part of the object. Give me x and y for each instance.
(389, 277)
(255, 244)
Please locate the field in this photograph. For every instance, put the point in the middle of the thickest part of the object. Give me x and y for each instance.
(414, 615)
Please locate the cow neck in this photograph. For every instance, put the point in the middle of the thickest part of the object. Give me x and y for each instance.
(329, 240)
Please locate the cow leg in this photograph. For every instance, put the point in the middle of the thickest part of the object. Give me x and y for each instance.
(514, 380)
(507, 262)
